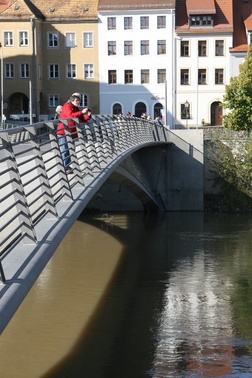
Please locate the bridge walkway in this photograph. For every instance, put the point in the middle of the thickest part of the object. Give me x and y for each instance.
(40, 202)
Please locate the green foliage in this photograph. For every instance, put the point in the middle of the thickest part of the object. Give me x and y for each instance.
(231, 165)
(238, 98)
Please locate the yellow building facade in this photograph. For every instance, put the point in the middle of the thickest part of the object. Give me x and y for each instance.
(48, 52)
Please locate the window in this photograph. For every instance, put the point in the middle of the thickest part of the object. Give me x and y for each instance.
(117, 109)
(88, 39)
(9, 70)
(202, 47)
(144, 22)
(145, 47)
(161, 46)
(112, 77)
(111, 23)
(71, 71)
(201, 21)
(24, 71)
(161, 22)
(219, 48)
(184, 48)
(128, 47)
(195, 21)
(219, 76)
(128, 76)
(53, 71)
(23, 38)
(145, 76)
(184, 77)
(161, 76)
(128, 23)
(53, 40)
(8, 39)
(206, 21)
(53, 101)
(88, 71)
(202, 76)
(111, 47)
(185, 111)
(70, 40)
(84, 101)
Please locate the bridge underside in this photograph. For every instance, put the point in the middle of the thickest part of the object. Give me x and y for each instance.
(130, 187)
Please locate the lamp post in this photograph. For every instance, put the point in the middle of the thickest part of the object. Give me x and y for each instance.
(187, 112)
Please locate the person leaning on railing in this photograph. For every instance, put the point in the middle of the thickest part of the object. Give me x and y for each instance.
(70, 110)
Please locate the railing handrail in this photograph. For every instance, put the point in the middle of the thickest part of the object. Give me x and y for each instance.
(33, 178)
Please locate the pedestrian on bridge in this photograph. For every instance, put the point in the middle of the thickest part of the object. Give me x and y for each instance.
(70, 110)
(57, 112)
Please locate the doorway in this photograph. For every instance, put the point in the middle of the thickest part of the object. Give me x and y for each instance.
(216, 113)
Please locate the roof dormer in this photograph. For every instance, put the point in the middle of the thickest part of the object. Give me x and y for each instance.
(200, 15)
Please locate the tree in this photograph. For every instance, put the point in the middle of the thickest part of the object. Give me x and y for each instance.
(238, 98)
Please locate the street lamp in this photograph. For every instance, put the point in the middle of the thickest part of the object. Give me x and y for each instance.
(187, 112)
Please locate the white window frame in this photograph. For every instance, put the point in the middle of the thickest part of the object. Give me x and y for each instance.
(88, 38)
(88, 71)
(52, 40)
(8, 39)
(70, 39)
(24, 70)
(53, 100)
(23, 39)
(71, 71)
(53, 65)
(9, 67)
(160, 24)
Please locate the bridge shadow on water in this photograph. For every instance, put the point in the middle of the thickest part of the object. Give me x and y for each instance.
(124, 326)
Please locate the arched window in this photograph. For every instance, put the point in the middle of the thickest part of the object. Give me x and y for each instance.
(139, 109)
(117, 109)
(157, 109)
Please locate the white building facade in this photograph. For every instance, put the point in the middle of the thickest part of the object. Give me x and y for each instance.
(136, 66)
(203, 71)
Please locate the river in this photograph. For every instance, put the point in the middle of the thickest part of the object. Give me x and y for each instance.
(139, 295)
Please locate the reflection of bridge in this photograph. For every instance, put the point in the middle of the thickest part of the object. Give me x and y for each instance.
(39, 202)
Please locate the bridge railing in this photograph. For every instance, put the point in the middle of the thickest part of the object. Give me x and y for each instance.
(33, 176)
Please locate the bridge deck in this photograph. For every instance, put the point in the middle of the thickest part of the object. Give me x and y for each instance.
(40, 202)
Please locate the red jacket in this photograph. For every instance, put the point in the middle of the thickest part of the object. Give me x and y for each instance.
(71, 111)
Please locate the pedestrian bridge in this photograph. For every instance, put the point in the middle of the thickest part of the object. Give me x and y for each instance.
(40, 202)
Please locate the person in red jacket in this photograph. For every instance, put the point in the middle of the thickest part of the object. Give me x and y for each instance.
(70, 110)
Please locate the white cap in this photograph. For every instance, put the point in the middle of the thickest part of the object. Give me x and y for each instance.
(76, 94)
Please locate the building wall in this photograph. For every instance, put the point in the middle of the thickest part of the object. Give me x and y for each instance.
(38, 55)
(129, 94)
(200, 97)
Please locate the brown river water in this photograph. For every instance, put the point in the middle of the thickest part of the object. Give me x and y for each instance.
(139, 295)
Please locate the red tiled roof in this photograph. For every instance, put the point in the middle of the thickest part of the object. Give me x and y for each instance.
(240, 48)
(248, 22)
(4, 4)
(196, 7)
(223, 19)
(241, 13)
(135, 4)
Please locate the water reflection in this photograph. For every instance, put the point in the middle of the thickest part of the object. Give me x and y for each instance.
(165, 295)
